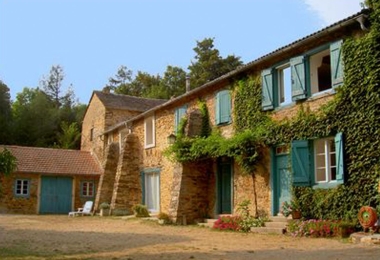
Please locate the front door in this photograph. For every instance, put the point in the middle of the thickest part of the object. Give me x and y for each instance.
(56, 195)
(152, 191)
(224, 188)
(283, 179)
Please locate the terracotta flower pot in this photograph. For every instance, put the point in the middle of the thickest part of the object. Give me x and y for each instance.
(296, 214)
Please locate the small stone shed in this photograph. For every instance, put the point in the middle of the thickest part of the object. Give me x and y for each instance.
(48, 181)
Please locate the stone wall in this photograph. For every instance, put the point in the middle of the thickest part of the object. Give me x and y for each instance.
(79, 200)
(127, 187)
(9, 203)
(107, 179)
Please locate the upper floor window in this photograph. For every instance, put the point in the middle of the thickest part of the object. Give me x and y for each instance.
(22, 187)
(87, 189)
(149, 128)
(302, 76)
(178, 115)
(223, 107)
(318, 162)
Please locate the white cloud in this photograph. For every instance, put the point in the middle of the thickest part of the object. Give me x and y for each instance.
(331, 11)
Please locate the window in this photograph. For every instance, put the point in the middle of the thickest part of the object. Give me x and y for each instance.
(326, 157)
(87, 189)
(223, 107)
(325, 162)
(151, 189)
(22, 187)
(302, 76)
(178, 115)
(149, 128)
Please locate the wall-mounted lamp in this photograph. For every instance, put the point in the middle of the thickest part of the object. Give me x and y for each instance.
(171, 139)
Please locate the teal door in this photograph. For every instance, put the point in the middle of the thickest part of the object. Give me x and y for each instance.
(224, 188)
(283, 181)
(56, 195)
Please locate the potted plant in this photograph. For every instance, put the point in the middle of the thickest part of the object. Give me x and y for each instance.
(104, 209)
(163, 218)
(291, 208)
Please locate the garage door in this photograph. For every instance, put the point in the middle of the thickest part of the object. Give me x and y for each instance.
(55, 195)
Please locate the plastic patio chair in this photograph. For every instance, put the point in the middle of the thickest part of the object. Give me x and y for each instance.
(86, 210)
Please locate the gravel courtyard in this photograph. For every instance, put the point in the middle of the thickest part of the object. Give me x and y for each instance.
(61, 237)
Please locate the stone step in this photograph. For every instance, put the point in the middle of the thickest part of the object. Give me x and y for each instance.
(275, 224)
(278, 219)
(268, 230)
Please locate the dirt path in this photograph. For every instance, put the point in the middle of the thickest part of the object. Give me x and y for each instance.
(60, 237)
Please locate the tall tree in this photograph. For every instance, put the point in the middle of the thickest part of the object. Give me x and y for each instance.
(120, 82)
(69, 136)
(5, 114)
(208, 64)
(52, 84)
(174, 81)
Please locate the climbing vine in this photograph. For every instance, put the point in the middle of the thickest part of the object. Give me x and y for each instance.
(355, 111)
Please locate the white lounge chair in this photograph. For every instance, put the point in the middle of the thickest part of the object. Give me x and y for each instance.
(86, 210)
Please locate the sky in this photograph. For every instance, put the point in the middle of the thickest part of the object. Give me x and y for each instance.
(91, 39)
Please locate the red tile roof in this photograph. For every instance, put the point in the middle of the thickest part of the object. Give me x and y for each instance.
(54, 161)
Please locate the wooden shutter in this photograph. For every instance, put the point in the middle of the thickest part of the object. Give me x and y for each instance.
(339, 153)
(336, 63)
(301, 163)
(267, 89)
(223, 107)
(297, 66)
(178, 115)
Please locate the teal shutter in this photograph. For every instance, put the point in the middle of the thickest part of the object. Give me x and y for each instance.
(267, 89)
(297, 66)
(301, 163)
(339, 153)
(142, 175)
(178, 115)
(223, 107)
(336, 63)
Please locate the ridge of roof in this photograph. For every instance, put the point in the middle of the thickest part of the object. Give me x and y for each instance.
(120, 101)
(247, 66)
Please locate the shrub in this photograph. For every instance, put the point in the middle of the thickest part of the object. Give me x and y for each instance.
(140, 211)
(314, 228)
(104, 205)
(227, 223)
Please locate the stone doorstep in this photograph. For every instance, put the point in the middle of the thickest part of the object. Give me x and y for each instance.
(367, 238)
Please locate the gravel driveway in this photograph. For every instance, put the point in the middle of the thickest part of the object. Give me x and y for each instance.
(61, 237)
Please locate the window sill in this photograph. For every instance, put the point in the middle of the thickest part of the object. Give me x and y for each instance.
(149, 146)
(328, 185)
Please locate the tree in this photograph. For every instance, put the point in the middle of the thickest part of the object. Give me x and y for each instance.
(5, 114)
(208, 64)
(53, 83)
(120, 82)
(174, 81)
(8, 163)
(70, 136)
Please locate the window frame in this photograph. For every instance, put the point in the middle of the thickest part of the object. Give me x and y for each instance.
(327, 144)
(223, 107)
(152, 131)
(89, 183)
(179, 113)
(22, 194)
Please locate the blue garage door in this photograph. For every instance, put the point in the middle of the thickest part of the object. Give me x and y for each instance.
(56, 195)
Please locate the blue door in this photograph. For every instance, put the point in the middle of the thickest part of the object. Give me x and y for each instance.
(283, 181)
(56, 195)
(224, 188)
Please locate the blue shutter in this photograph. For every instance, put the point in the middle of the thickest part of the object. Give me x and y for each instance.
(223, 107)
(178, 115)
(339, 154)
(142, 175)
(267, 89)
(301, 163)
(336, 63)
(297, 66)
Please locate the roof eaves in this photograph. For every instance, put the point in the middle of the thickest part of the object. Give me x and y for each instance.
(349, 20)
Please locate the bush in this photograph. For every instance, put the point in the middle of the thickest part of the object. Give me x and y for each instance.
(314, 228)
(227, 223)
(141, 211)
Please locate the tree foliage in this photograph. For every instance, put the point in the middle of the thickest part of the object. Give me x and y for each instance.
(5, 114)
(8, 163)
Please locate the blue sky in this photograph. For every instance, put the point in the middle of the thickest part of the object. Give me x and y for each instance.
(91, 39)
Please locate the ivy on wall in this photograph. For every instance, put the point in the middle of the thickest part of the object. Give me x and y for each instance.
(355, 111)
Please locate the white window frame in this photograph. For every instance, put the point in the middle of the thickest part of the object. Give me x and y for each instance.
(149, 129)
(284, 86)
(327, 153)
(313, 71)
(152, 193)
(86, 189)
(22, 187)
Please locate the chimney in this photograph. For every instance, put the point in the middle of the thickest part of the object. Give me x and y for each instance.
(187, 83)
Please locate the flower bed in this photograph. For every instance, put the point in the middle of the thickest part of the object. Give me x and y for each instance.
(315, 228)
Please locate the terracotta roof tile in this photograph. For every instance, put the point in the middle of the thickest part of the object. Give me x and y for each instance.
(119, 101)
(54, 161)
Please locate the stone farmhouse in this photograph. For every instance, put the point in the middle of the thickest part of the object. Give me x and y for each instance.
(306, 72)
(128, 136)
